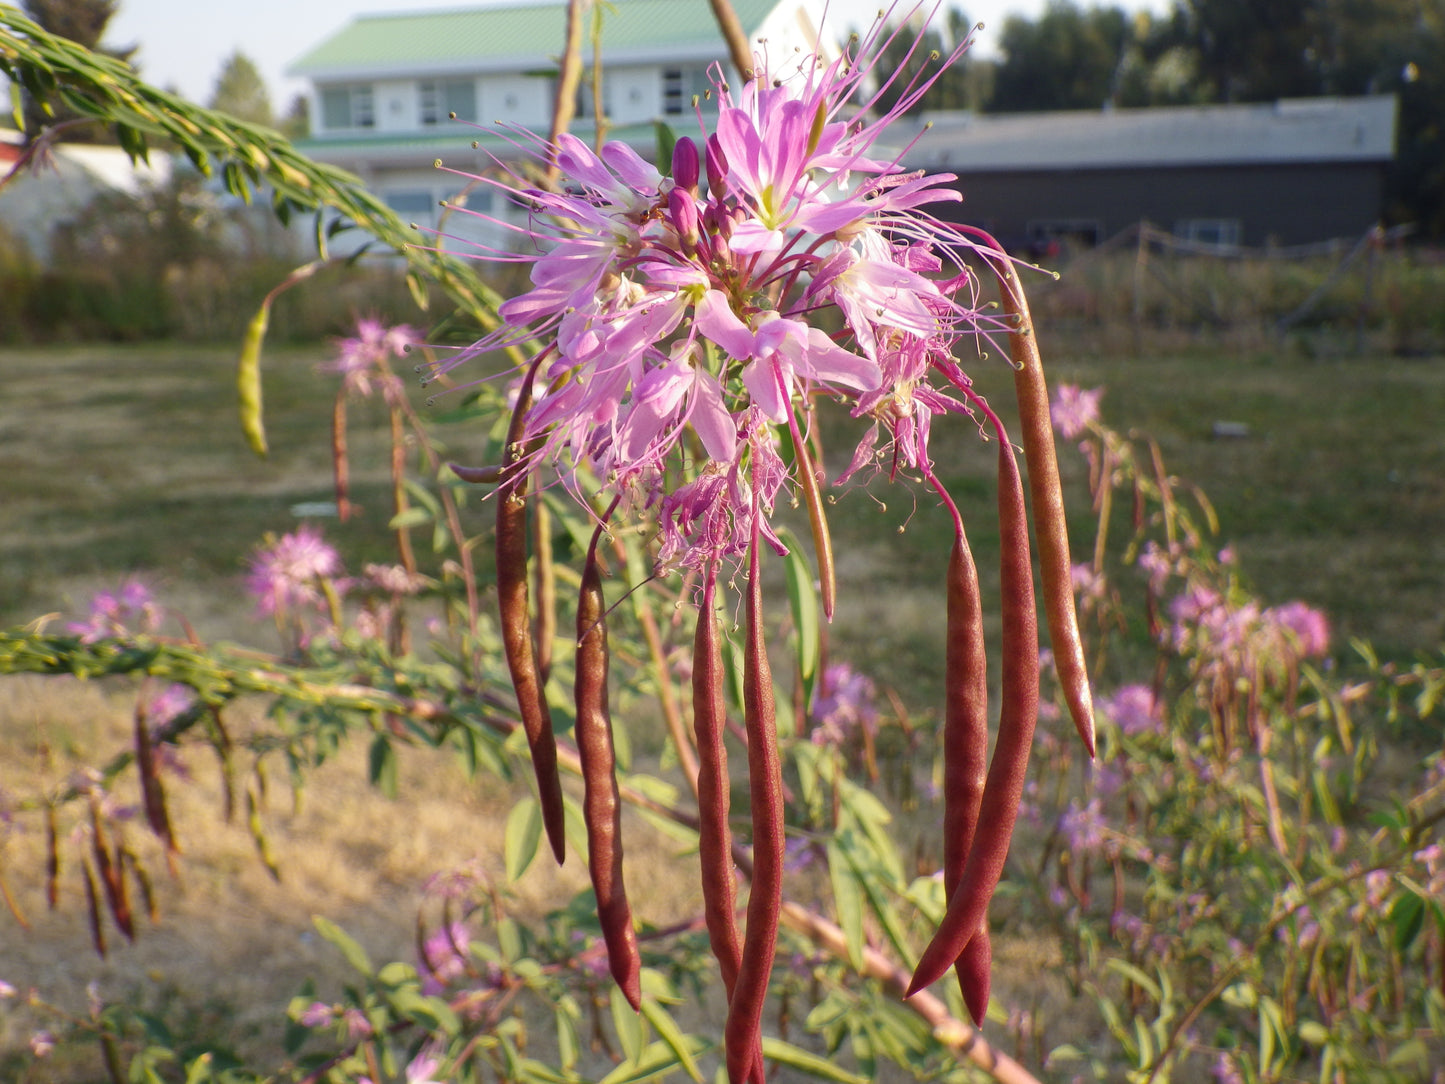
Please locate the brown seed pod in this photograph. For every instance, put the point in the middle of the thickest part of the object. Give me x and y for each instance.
(601, 804)
(1050, 526)
(709, 719)
(743, 1031)
(1003, 789)
(965, 740)
(973, 969)
(512, 604)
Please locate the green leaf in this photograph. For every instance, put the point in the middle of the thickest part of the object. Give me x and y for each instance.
(628, 1025)
(410, 517)
(657, 1060)
(1407, 916)
(1313, 1032)
(248, 379)
(1134, 975)
(382, 767)
(788, 1054)
(523, 834)
(666, 1028)
(666, 140)
(804, 604)
(848, 900)
(355, 955)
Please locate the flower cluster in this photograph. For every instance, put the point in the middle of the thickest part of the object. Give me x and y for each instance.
(684, 314)
(122, 613)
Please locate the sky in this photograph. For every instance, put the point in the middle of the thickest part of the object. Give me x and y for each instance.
(182, 43)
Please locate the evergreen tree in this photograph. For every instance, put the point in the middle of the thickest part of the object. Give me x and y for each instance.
(241, 92)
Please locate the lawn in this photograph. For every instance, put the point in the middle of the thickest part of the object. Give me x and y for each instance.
(122, 461)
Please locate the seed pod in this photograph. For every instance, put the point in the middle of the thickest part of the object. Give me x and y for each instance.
(743, 1031)
(112, 877)
(965, 739)
(92, 909)
(709, 720)
(152, 790)
(1050, 527)
(52, 859)
(512, 604)
(601, 804)
(1003, 789)
(973, 969)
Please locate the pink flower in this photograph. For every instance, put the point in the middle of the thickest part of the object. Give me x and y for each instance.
(317, 1015)
(1306, 626)
(670, 306)
(285, 575)
(42, 1043)
(363, 360)
(444, 957)
(844, 705)
(1133, 709)
(126, 612)
(1074, 409)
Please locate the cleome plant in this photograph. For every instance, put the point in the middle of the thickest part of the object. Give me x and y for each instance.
(1229, 880)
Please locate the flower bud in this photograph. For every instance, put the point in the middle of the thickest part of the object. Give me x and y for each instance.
(683, 211)
(685, 164)
(717, 168)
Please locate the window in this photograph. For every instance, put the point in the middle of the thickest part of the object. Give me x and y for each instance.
(674, 98)
(441, 98)
(348, 107)
(680, 86)
(1209, 231)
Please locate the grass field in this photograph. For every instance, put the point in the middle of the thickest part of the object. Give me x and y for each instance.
(128, 461)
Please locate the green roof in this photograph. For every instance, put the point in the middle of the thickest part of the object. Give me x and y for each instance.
(517, 35)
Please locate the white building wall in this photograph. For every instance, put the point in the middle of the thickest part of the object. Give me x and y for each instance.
(397, 106)
(636, 94)
(515, 99)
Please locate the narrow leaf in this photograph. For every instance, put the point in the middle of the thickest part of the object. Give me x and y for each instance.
(522, 837)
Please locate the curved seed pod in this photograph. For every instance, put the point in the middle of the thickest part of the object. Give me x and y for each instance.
(743, 1031)
(512, 604)
(1050, 527)
(1004, 787)
(709, 720)
(601, 804)
(965, 737)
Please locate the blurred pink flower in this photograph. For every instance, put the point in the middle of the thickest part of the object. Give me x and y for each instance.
(1308, 627)
(1074, 409)
(130, 610)
(285, 573)
(1133, 709)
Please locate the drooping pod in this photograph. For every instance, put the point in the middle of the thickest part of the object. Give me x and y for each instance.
(719, 884)
(601, 803)
(1050, 527)
(1018, 716)
(513, 607)
(965, 749)
(743, 1031)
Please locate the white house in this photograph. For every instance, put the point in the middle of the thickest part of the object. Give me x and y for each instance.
(383, 88)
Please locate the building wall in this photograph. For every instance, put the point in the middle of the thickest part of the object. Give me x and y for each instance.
(1280, 204)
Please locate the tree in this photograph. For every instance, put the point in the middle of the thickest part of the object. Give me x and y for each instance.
(1068, 59)
(241, 92)
(966, 84)
(83, 22)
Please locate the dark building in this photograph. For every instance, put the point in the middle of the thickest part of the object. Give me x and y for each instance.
(1292, 172)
